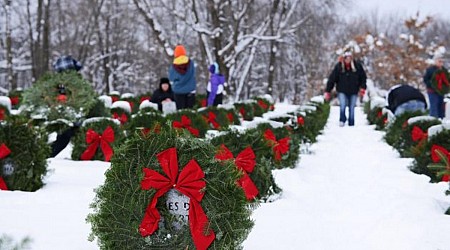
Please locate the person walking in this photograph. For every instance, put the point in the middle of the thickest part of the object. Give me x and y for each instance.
(215, 86)
(436, 95)
(163, 94)
(349, 78)
(404, 98)
(182, 77)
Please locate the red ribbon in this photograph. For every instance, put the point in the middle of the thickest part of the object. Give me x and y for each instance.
(4, 151)
(188, 182)
(114, 98)
(203, 103)
(245, 161)
(379, 114)
(300, 121)
(144, 98)
(185, 123)
(263, 105)
(212, 119)
(279, 147)
(417, 134)
(14, 100)
(435, 157)
(61, 98)
(94, 140)
(242, 111)
(123, 118)
(230, 117)
(441, 79)
(2, 114)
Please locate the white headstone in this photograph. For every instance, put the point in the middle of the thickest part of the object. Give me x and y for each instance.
(447, 111)
(169, 107)
(178, 205)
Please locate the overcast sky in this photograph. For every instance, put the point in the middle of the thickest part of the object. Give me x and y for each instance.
(403, 7)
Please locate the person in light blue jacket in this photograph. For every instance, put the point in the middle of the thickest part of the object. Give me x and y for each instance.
(182, 77)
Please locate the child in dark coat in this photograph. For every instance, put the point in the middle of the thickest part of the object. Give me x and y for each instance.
(163, 94)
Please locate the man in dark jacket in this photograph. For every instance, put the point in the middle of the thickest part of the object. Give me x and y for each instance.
(436, 100)
(350, 78)
(163, 94)
(402, 98)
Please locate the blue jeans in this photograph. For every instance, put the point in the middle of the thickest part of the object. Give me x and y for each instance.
(413, 105)
(436, 105)
(349, 101)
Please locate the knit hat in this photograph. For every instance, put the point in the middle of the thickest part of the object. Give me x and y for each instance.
(179, 51)
(348, 54)
(437, 56)
(214, 68)
(164, 80)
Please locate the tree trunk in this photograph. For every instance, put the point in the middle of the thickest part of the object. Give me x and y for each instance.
(9, 64)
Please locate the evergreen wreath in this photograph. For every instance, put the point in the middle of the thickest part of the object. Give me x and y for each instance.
(119, 113)
(200, 101)
(414, 137)
(23, 156)
(144, 122)
(245, 110)
(258, 110)
(16, 97)
(4, 112)
(394, 130)
(440, 81)
(121, 206)
(63, 95)
(261, 175)
(420, 165)
(97, 148)
(190, 121)
(215, 117)
(264, 104)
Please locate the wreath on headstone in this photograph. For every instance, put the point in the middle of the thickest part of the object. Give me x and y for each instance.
(189, 122)
(440, 81)
(216, 118)
(23, 157)
(97, 139)
(144, 123)
(246, 110)
(414, 138)
(60, 96)
(169, 192)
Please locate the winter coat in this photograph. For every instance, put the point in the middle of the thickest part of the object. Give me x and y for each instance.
(347, 81)
(183, 77)
(400, 94)
(215, 86)
(159, 95)
(428, 75)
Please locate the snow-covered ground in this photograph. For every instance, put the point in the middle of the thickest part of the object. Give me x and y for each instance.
(352, 192)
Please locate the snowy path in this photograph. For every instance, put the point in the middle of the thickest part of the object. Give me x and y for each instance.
(353, 192)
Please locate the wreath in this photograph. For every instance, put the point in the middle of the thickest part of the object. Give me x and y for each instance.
(23, 157)
(147, 201)
(440, 81)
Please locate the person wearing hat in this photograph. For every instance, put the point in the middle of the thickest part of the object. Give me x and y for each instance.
(215, 86)
(182, 77)
(163, 94)
(436, 100)
(349, 78)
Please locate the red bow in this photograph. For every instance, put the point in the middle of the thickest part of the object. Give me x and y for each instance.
(441, 79)
(61, 98)
(4, 151)
(379, 114)
(122, 118)
(212, 119)
(436, 154)
(242, 111)
(14, 100)
(2, 114)
(144, 98)
(203, 103)
(114, 98)
(300, 120)
(230, 117)
(245, 161)
(185, 123)
(188, 182)
(418, 134)
(263, 105)
(94, 140)
(279, 146)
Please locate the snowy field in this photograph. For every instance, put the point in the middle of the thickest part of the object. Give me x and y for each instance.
(352, 192)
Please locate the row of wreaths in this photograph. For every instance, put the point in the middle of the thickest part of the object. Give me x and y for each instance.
(222, 170)
(415, 135)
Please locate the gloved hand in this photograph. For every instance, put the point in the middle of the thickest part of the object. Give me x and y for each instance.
(327, 96)
(362, 92)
